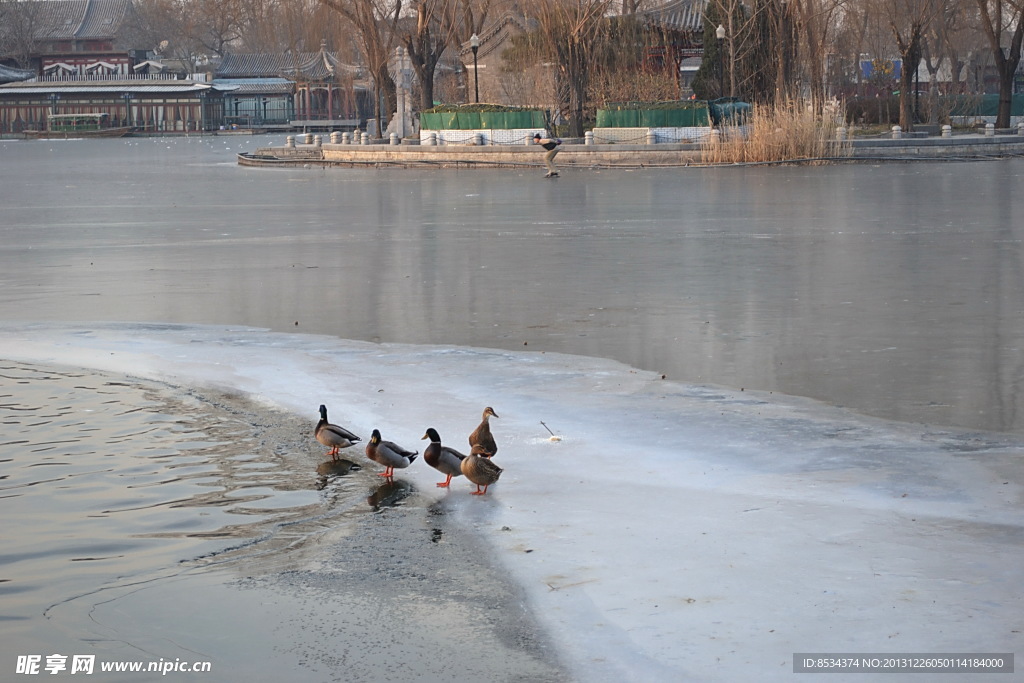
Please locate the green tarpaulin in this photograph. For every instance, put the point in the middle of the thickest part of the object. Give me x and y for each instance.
(488, 120)
(695, 116)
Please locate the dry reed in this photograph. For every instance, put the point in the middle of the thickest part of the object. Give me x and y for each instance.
(785, 131)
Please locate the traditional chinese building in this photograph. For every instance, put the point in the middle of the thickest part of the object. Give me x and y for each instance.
(313, 90)
(86, 62)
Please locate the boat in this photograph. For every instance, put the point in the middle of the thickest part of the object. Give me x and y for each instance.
(79, 126)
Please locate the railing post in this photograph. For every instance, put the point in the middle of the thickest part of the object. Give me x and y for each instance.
(897, 132)
(947, 131)
(990, 130)
(588, 137)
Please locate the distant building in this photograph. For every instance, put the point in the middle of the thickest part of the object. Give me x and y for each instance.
(674, 38)
(81, 37)
(498, 85)
(312, 90)
(85, 61)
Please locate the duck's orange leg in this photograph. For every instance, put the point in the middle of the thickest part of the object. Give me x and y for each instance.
(444, 484)
(389, 472)
(478, 492)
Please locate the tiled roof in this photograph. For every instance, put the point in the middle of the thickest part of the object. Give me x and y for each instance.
(313, 65)
(139, 86)
(680, 15)
(80, 19)
(257, 86)
(250, 66)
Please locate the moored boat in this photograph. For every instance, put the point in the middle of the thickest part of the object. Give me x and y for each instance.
(79, 126)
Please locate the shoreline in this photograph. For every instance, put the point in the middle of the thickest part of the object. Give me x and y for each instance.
(626, 156)
(347, 584)
(846, 491)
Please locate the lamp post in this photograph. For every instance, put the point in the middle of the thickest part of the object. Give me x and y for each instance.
(474, 44)
(53, 108)
(720, 35)
(127, 108)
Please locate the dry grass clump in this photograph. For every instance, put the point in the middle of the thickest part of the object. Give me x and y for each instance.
(784, 131)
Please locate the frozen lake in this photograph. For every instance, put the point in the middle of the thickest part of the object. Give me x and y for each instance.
(893, 290)
(158, 520)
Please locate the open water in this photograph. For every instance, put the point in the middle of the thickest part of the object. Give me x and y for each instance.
(894, 290)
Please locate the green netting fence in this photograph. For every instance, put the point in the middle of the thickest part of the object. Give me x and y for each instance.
(482, 120)
(692, 116)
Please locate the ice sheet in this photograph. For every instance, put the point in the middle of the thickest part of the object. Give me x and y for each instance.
(675, 532)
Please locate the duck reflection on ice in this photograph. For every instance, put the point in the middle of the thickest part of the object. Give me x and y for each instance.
(390, 494)
(333, 468)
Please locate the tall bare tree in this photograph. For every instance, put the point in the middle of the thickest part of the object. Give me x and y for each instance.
(1003, 20)
(909, 20)
(376, 25)
(19, 22)
(568, 32)
(437, 24)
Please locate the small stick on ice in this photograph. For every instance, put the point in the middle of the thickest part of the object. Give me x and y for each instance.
(554, 437)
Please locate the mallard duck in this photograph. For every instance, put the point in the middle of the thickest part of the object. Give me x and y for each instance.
(442, 458)
(333, 436)
(389, 454)
(480, 470)
(482, 436)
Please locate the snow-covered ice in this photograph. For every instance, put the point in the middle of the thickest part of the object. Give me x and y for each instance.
(676, 531)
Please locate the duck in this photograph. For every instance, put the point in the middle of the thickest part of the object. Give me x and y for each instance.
(445, 460)
(482, 436)
(389, 454)
(333, 436)
(480, 470)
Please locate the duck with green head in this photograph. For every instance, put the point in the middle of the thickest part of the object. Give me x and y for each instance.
(389, 454)
(333, 436)
(445, 460)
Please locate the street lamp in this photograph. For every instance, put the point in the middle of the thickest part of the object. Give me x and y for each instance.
(720, 35)
(127, 107)
(474, 44)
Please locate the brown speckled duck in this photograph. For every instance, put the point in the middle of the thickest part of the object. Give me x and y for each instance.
(333, 436)
(389, 454)
(480, 470)
(445, 460)
(482, 436)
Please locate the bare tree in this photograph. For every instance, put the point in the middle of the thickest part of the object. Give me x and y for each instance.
(376, 25)
(568, 31)
(19, 22)
(999, 18)
(943, 41)
(909, 20)
(437, 24)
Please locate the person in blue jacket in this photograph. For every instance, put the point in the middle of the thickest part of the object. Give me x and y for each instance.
(551, 145)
